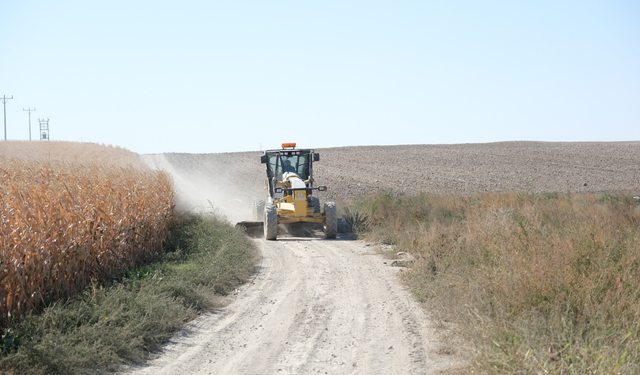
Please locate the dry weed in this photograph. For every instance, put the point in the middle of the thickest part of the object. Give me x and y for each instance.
(537, 282)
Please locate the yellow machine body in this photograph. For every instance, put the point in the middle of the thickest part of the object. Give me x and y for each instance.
(290, 188)
(293, 206)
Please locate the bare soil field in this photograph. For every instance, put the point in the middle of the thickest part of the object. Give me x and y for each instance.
(232, 180)
(335, 306)
(472, 168)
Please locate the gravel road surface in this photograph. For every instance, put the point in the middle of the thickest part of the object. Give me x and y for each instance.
(315, 307)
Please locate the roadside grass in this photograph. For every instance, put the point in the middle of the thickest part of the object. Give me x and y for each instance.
(205, 258)
(533, 283)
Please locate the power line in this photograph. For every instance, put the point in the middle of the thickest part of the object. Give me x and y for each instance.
(4, 104)
(29, 110)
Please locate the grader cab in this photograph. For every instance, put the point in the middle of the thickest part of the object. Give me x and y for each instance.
(290, 187)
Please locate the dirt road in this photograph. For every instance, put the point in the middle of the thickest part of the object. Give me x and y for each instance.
(316, 306)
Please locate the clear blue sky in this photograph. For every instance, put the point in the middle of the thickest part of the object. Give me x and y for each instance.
(221, 76)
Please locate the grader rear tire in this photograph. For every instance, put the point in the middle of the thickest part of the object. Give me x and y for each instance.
(331, 220)
(270, 222)
(258, 210)
(315, 203)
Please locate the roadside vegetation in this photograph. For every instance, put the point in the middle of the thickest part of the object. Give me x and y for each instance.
(95, 269)
(532, 283)
(204, 259)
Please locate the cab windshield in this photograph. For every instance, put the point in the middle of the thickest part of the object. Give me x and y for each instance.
(280, 164)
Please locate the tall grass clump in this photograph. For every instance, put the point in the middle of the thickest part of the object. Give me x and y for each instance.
(104, 327)
(535, 283)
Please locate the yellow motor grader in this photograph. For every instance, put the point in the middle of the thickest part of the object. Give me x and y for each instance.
(290, 187)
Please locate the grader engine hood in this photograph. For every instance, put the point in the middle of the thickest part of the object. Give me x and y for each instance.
(296, 201)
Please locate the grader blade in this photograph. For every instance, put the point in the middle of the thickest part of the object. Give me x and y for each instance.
(252, 228)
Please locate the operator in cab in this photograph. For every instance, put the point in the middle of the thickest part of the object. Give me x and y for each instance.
(288, 167)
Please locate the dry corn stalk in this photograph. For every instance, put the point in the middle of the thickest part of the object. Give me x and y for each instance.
(63, 226)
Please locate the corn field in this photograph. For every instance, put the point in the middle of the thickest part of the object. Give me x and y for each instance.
(63, 226)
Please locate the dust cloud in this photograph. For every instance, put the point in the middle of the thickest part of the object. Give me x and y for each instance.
(203, 185)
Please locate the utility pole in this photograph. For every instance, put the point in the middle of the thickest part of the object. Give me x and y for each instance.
(44, 129)
(29, 110)
(4, 104)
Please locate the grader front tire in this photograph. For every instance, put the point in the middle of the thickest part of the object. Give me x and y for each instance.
(331, 220)
(270, 222)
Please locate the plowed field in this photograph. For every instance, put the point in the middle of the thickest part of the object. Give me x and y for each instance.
(232, 180)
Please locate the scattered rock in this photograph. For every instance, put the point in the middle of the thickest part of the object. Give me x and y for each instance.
(404, 259)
